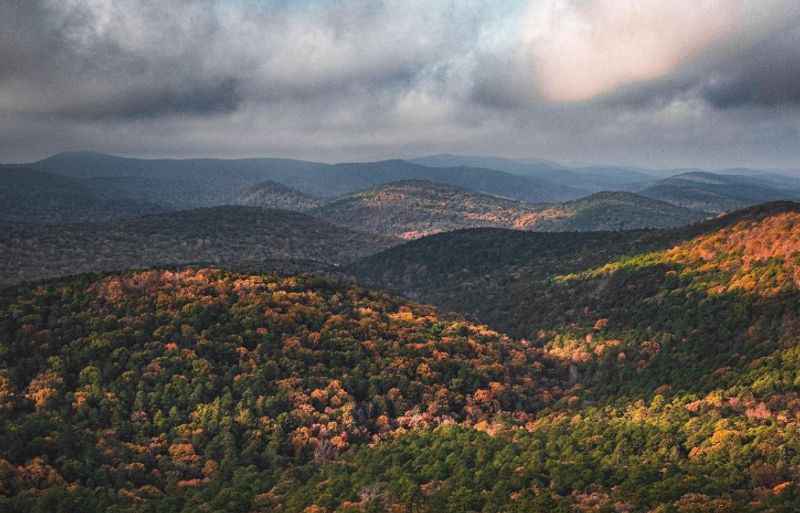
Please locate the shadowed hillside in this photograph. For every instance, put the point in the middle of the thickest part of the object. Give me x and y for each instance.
(239, 237)
(30, 196)
(502, 277)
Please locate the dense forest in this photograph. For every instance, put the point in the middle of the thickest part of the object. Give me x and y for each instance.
(652, 372)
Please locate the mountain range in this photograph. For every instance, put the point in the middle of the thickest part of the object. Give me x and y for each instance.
(209, 182)
(93, 187)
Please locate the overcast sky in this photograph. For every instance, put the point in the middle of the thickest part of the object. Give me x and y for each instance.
(710, 83)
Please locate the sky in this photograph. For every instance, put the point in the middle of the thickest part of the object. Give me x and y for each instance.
(683, 83)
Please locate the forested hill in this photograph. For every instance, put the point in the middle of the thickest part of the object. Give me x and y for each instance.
(606, 211)
(415, 208)
(656, 372)
(203, 389)
(502, 276)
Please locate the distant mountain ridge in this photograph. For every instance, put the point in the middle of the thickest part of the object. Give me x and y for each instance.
(193, 183)
(721, 193)
(588, 179)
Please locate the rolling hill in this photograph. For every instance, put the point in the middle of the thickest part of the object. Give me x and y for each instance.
(412, 209)
(415, 208)
(237, 237)
(720, 193)
(608, 211)
(656, 372)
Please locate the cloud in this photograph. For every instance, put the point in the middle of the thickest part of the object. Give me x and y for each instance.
(574, 79)
(768, 75)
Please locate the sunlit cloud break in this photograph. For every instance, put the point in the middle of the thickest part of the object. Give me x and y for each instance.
(584, 49)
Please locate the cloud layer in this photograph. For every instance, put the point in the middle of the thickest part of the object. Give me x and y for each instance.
(700, 82)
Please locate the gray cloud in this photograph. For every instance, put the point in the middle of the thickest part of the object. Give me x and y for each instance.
(768, 75)
(365, 79)
(154, 101)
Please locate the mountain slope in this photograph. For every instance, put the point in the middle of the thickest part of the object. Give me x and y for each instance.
(412, 209)
(718, 193)
(271, 194)
(683, 346)
(238, 237)
(31, 196)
